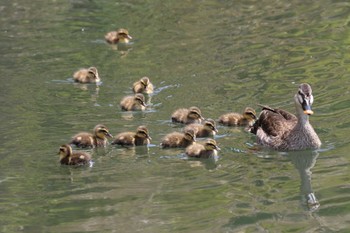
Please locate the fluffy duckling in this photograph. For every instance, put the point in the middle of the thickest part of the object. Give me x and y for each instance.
(207, 129)
(133, 102)
(177, 139)
(236, 119)
(97, 139)
(68, 157)
(89, 75)
(141, 137)
(187, 116)
(143, 86)
(119, 36)
(206, 150)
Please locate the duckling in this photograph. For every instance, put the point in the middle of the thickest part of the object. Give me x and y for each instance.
(177, 139)
(119, 36)
(133, 103)
(97, 139)
(89, 75)
(207, 129)
(187, 116)
(236, 119)
(68, 157)
(143, 86)
(206, 150)
(281, 130)
(141, 137)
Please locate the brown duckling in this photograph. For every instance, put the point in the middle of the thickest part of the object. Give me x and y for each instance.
(187, 116)
(133, 102)
(144, 85)
(68, 157)
(119, 36)
(236, 119)
(207, 129)
(89, 75)
(97, 139)
(177, 139)
(141, 137)
(206, 150)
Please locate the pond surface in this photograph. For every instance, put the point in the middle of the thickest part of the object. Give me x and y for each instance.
(218, 55)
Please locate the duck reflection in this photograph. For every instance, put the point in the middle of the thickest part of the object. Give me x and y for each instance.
(93, 89)
(304, 161)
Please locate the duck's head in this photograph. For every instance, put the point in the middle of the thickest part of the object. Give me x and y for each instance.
(190, 135)
(140, 98)
(304, 98)
(249, 113)
(142, 132)
(101, 131)
(145, 81)
(211, 124)
(195, 113)
(123, 35)
(211, 144)
(94, 74)
(65, 151)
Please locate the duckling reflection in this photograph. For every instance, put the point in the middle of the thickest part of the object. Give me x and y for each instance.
(303, 162)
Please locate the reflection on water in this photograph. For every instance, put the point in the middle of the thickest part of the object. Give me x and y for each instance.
(304, 162)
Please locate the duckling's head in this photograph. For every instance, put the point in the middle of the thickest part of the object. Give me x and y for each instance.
(145, 81)
(142, 132)
(123, 35)
(211, 124)
(140, 98)
(249, 114)
(101, 131)
(190, 135)
(211, 145)
(94, 74)
(195, 113)
(65, 151)
(304, 99)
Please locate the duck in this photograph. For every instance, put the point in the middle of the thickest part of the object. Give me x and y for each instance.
(144, 85)
(89, 75)
(133, 103)
(88, 140)
(207, 129)
(236, 119)
(207, 150)
(177, 139)
(119, 36)
(68, 157)
(281, 130)
(187, 115)
(138, 138)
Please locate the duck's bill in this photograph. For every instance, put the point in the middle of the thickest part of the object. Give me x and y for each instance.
(308, 112)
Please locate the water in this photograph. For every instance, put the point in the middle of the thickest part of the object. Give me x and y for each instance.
(218, 55)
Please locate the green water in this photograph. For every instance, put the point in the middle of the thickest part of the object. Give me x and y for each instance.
(218, 55)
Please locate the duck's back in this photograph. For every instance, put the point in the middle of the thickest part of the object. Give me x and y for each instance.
(83, 140)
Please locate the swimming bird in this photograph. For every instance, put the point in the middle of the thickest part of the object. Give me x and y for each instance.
(207, 150)
(133, 103)
(281, 130)
(187, 115)
(236, 119)
(68, 157)
(177, 139)
(138, 138)
(144, 85)
(89, 75)
(207, 129)
(119, 36)
(97, 139)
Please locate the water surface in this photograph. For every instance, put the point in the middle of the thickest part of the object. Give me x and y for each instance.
(218, 55)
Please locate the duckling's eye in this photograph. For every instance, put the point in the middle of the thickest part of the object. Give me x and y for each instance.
(62, 149)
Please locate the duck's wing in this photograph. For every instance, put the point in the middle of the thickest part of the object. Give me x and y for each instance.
(274, 122)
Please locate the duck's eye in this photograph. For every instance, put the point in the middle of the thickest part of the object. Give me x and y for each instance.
(62, 149)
